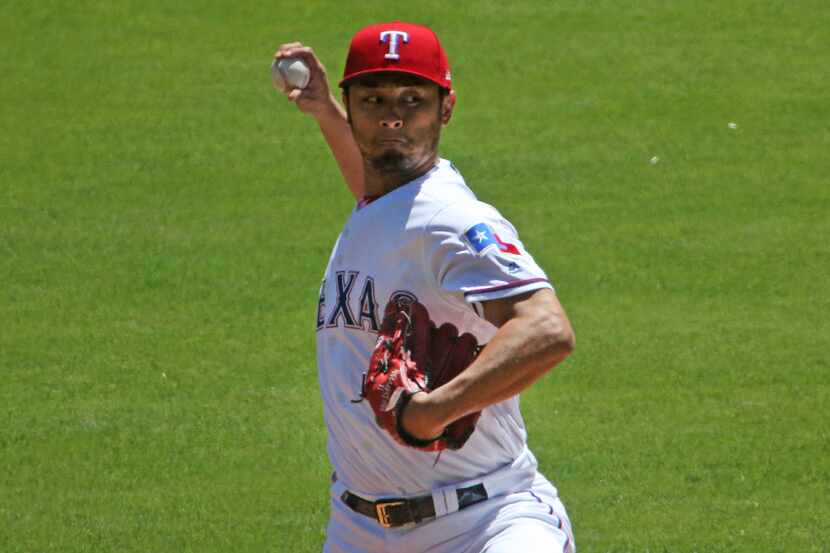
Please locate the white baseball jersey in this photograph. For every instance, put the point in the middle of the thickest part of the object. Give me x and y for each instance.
(430, 239)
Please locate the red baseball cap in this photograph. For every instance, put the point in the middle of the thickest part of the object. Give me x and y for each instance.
(397, 47)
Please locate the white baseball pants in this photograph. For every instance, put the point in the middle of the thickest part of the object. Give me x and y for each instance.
(532, 520)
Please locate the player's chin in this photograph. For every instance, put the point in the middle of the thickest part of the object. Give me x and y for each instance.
(390, 159)
(391, 149)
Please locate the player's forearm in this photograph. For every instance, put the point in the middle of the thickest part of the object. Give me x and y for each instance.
(523, 350)
(338, 134)
(316, 99)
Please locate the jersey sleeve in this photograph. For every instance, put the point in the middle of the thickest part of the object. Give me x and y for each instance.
(475, 255)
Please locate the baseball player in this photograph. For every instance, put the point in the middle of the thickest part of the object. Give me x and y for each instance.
(421, 466)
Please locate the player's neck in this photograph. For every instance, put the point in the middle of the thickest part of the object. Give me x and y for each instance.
(380, 181)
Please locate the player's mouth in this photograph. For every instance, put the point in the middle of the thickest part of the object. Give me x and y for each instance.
(392, 140)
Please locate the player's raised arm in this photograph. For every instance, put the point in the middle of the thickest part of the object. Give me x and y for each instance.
(317, 101)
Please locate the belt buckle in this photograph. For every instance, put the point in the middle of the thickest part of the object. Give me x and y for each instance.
(381, 509)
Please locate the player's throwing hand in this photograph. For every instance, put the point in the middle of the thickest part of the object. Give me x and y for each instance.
(316, 97)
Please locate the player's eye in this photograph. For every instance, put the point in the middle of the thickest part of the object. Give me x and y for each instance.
(372, 100)
(411, 99)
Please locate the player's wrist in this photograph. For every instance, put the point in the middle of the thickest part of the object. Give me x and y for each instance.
(417, 419)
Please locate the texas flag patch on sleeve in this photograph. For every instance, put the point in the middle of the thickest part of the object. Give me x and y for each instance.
(482, 239)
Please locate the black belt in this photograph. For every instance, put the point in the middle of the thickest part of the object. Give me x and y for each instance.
(397, 512)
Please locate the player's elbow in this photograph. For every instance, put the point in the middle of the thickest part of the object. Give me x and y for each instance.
(557, 336)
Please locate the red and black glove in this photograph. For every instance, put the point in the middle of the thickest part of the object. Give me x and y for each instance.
(411, 356)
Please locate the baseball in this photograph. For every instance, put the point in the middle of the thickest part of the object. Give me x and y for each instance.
(290, 73)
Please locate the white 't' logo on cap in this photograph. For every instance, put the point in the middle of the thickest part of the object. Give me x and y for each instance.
(394, 40)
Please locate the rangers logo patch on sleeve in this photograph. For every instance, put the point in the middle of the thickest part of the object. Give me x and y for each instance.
(482, 239)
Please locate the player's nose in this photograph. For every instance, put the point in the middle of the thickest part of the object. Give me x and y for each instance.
(391, 122)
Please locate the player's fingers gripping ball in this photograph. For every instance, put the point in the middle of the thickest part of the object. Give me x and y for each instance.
(412, 356)
(289, 73)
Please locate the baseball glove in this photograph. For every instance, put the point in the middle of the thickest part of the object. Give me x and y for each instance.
(411, 356)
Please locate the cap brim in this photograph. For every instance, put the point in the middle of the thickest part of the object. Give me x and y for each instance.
(424, 76)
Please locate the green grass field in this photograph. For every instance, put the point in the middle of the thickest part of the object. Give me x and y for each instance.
(165, 219)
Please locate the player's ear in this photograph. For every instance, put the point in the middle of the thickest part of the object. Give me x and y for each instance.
(448, 104)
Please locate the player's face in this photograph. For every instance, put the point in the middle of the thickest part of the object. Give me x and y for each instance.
(396, 120)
